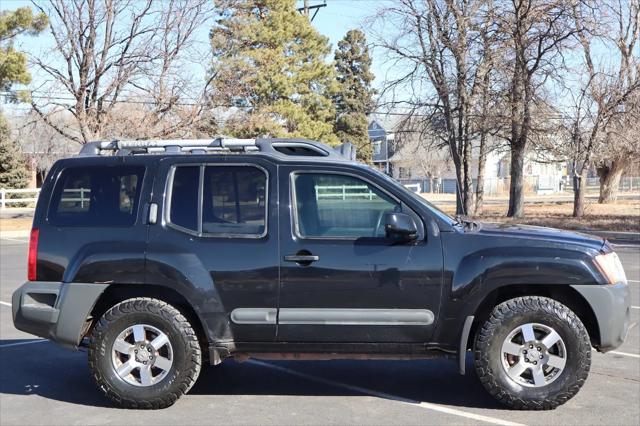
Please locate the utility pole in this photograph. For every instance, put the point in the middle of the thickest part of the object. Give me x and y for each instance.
(306, 9)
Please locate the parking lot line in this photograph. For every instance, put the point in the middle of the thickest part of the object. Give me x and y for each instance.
(370, 392)
(633, 281)
(16, 240)
(8, 345)
(5, 303)
(624, 354)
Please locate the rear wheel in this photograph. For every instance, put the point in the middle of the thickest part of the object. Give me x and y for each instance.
(532, 353)
(144, 354)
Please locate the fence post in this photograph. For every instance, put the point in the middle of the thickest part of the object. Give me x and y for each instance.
(2, 198)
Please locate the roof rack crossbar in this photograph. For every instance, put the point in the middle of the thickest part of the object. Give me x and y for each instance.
(277, 146)
(158, 145)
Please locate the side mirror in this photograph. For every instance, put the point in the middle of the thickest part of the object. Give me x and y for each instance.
(400, 226)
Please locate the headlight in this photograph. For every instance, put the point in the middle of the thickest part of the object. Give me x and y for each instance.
(611, 267)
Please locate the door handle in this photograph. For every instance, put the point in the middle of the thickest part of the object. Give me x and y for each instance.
(301, 258)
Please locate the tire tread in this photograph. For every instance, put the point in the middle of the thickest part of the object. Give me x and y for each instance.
(170, 314)
(516, 307)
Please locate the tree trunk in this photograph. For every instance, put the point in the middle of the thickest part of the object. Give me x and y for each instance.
(459, 192)
(516, 188)
(467, 185)
(578, 193)
(610, 181)
(480, 180)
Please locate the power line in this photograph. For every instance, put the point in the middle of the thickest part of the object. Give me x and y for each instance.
(249, 107)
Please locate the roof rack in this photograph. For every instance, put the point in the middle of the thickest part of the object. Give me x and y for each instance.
(288, 147)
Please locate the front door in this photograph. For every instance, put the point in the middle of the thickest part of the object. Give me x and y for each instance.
(342, 279)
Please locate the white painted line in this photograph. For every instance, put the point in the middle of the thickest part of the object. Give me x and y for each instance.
(15, 240)
(624, 354)
(633, 281)
(635, 307)
(8, 345)
(365, 391)
(5, 303)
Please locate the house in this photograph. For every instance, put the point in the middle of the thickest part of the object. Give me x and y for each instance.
(382, 148)
(414, 157)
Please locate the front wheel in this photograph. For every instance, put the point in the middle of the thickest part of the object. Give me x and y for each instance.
(144, 354)
(533, 353)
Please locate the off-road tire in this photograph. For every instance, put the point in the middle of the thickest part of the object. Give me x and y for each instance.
(186, 349)
(506, 317)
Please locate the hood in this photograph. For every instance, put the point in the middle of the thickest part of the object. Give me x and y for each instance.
(539, 233)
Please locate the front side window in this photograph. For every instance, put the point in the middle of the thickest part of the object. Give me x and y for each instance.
(339, 206)
(233, 200)
(96, 196)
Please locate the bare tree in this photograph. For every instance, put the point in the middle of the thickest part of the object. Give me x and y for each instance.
(621, 146)
(605, 98)
(436, 43)
(486, 97)
(116, 51)
(535, 34)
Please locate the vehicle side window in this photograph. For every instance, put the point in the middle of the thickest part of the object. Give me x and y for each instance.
(96, 196)
(184, 197)
(339, 206)
(234, 200)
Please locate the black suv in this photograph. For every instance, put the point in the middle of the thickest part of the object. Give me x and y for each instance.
(162, 255)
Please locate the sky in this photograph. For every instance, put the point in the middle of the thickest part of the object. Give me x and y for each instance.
(333, 21)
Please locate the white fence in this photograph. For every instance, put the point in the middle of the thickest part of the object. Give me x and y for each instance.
(7, 198)
(413, 187)
(350, 192)
(344, 192)
(5, 201)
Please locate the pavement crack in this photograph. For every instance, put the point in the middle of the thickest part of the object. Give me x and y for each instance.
(631, 379)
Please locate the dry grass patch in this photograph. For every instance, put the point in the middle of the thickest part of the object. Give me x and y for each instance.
(621, 216)
(16, 224)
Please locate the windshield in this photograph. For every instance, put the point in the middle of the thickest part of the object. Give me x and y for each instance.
(442, 215)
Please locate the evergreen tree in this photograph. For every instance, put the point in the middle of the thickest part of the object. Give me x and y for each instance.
(13, 69)
(354, 98)
(13, 170)
(13, 63)
(270, 63)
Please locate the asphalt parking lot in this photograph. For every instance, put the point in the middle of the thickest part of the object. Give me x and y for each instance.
(41, 383)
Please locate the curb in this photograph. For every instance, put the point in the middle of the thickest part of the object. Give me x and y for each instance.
(616, 237)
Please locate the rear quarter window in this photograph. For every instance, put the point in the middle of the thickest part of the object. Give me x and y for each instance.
(96, 196)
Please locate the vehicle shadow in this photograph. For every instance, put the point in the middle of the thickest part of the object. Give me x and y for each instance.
(56, 373)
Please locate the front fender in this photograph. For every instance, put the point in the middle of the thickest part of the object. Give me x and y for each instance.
(488, 269)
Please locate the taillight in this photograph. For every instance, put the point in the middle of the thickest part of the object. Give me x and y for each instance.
(33, 254)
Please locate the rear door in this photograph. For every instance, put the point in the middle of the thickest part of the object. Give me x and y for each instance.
(216, 242)
(342, 280)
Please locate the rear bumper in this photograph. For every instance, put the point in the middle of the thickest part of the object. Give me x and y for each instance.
(54, 310)
(611, 306)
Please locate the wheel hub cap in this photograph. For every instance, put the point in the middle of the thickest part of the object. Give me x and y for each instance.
(533, 355)
(142, 355)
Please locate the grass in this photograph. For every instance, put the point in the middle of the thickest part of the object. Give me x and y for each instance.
(623, 215)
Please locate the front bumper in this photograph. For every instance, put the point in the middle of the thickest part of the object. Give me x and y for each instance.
(54, 310)
(611, 306)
